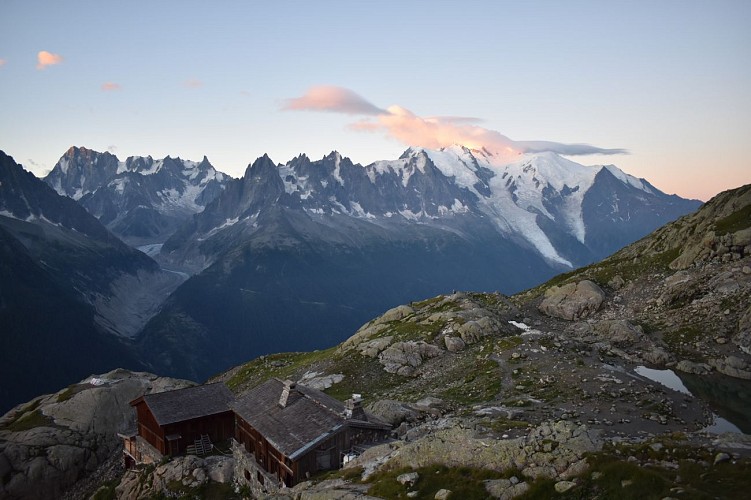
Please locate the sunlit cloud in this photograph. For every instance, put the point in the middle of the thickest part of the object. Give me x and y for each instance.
(45, 59)
(2, 62)
(433, 132)
(193, 83)
(332, 99)
(111, 86)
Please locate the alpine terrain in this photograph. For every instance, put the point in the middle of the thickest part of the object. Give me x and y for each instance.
(627, 378)
(299, 254)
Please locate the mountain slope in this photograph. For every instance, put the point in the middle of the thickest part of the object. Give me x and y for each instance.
(67, 284)
(142, 200)
(302, 253)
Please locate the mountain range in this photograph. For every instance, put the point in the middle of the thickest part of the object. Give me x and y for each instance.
(296, 255)
(141, 200)
(299, 254)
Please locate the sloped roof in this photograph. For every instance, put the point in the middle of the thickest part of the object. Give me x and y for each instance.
(310, 416)
(186, 404)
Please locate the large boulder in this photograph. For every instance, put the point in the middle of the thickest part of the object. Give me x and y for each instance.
(572, 301)
(403, 358)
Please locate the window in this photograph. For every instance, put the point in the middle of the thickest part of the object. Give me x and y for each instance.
(247, 475)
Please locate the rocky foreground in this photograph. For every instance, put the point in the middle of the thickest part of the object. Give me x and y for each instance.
(544, 394)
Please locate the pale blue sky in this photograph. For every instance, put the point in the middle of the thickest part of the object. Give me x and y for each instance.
(667, 80)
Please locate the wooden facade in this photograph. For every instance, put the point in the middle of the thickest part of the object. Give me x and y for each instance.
(173, 420)
(294, 432)
(174, 438)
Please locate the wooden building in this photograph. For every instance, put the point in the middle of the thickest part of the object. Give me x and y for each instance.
(292, 431)
(173, 420)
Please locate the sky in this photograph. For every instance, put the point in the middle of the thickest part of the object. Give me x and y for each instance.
(660, 89)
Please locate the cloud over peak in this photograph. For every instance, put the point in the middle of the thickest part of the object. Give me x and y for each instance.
(433, 132)
(45, 59)
(110, 86)
(332, 99)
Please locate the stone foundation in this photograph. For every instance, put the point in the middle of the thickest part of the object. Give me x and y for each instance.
(249, 473)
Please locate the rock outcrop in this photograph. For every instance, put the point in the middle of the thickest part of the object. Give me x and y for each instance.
(188, 471)
(48, 444)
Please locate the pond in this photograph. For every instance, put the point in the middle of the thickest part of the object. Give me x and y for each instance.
(729, 398)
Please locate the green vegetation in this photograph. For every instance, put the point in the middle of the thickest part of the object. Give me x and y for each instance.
(106, 491)
(207, 491)
(71, 391)
(464, 482)
(29, 418)
(478, 383)
(736, 221)
(281, 365)
(611, 475)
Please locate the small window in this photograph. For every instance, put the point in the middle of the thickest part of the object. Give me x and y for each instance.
(247, 474)
(260, 477)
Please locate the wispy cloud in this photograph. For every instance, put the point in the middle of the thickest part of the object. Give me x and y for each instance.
(332, 99)
(193, 83)
(112, 148)
(111, 86)
(2, 62)
(434, 132)
(45, 59)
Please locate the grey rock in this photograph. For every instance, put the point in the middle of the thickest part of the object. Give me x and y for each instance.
(393, 412)
(656, 356)
(395, 314)
(408, 479)
(617, 282)
(442, 494)
(721, 457)
(564, 486)
(374, 347)
(403, 357)
(472, 331)
(687, 366)
(44, 461)
(572, 301)
(454, 344)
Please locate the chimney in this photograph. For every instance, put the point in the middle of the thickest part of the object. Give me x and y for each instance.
(289, 387)
(353, 408)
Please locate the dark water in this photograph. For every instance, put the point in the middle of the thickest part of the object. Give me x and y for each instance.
(729, 398)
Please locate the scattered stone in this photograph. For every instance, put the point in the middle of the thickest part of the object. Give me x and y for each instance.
(721, 457)
(617, 282)
(564, 486)
(454, 344)
(408, 479)
(442, 494)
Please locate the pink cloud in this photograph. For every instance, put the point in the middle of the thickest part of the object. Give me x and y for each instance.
(193, 83)
(45, 59)
(111, 86)
(333, 99)
(2, 62)
(434, 132)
